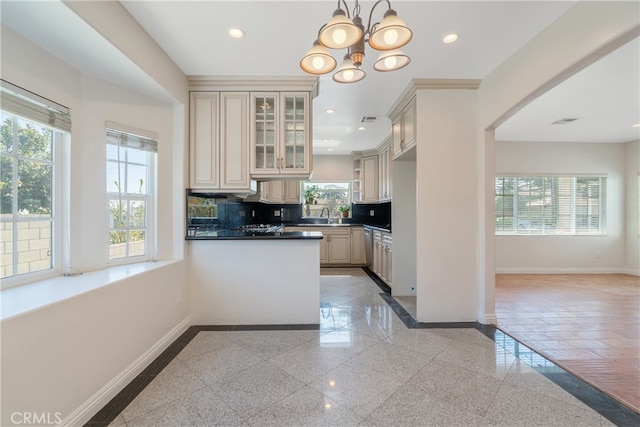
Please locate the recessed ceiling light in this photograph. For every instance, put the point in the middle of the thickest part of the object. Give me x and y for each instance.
(329, 111)
(450, 38)
(361, 128)
(329, 149)
(637, 125)
(236, 33)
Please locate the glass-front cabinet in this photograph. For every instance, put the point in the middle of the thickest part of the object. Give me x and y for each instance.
(280, 135)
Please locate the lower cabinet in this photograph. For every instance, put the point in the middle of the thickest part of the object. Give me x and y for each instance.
(335, 248)
(340, 245)
(382, 255)
(358, 252)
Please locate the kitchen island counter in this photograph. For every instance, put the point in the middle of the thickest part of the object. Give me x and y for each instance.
(256, 280)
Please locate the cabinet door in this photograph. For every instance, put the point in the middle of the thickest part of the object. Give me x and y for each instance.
(358, 255)
(324, 249)
(339, 248)
(203, 140)
(377, 252)
(264, 133)
(234, 140)
(396, 136)
(370, 179)
(409, 128)
(294, 154)
(291, 191)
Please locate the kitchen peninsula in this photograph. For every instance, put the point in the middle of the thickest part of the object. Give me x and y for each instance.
(255, 279)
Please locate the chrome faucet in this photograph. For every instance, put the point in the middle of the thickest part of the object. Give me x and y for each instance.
(322, 211)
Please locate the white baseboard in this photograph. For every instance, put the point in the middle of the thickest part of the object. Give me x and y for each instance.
(631, 271)
(96, 402)
(488, 318)
(526, 270)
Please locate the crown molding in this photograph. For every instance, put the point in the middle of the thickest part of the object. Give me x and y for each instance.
(255, 84)
(428, 84)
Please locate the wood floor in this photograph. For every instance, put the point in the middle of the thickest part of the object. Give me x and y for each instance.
(588, 324)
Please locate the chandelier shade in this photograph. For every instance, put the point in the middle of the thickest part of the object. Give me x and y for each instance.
(392, 33)
(345, 30)
(340, 32)
(348, 73)
(318, 60)
(391, 60)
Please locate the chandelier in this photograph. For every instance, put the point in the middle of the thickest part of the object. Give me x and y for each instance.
(344, 32)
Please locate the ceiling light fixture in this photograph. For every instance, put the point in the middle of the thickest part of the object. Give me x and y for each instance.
(329, 111)
(343, 32)
(450, 38)
(236, 33)
(637, 125)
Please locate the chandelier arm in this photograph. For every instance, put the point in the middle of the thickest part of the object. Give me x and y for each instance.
(346, 7)
(370, 27)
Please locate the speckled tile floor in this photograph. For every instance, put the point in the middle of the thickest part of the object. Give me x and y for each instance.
(362, 367)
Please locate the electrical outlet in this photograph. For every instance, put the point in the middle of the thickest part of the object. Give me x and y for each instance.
(597, 254)
(179, 296)
(242, 214)
(276, 213)
(372, 212)
(253, 214)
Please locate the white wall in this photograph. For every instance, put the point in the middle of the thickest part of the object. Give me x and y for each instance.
(446, 204)
(68, 356)
(566, 254)
(332, 168)
(632, 236)
(403, 217)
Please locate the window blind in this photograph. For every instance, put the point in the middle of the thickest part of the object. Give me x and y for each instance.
(126, 136)
(29, 105)
(550, 204)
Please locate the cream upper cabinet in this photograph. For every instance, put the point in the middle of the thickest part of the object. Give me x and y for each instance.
(219, 141)
(280, 191)
(204, 137)
(280, 135)
(369, 180)
(403, 131)
(384, 173)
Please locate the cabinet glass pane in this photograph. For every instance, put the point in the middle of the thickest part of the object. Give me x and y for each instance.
(300, 139)
(299, 106)
(289, 157)
(300, 157)
(259, 157)
(270, 134)
(269, 157)
(289, 108)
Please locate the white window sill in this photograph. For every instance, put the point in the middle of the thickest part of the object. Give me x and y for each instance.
(23, 299)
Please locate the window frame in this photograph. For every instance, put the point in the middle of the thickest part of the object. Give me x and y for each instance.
(149, 198)
(556, 182)
(58, 218)
(334, 214)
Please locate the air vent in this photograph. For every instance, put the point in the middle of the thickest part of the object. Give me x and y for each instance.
(564, 121)
(368, 119)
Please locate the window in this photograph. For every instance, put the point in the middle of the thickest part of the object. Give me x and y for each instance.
(31, 134)
(550, 205)
(131, 159)
(324, 199)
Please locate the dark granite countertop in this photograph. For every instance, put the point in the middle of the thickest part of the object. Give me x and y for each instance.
(344, 224)
(245, 235)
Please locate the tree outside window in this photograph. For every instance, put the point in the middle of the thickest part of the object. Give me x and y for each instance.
(26, 196)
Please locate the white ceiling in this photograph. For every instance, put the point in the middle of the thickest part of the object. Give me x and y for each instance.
(278, 34)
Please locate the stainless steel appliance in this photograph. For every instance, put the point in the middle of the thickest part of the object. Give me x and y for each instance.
(368, 245)
(259, 228)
